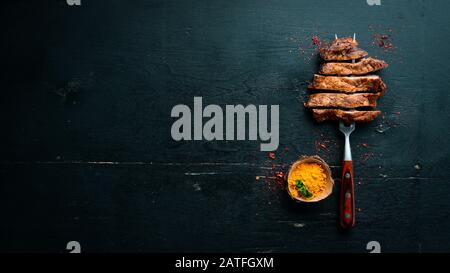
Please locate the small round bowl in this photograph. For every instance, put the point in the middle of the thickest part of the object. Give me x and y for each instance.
(329, 183)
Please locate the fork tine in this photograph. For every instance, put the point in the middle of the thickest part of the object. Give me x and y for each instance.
(346, 129)
(352, 127)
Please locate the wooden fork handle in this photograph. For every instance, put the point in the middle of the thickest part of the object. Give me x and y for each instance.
(347, 201)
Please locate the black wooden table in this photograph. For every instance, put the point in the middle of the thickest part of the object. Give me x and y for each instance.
(86, 150)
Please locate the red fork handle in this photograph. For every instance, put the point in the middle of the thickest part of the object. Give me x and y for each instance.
(347, 201)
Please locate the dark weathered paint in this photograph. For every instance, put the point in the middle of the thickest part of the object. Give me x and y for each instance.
(84, 86)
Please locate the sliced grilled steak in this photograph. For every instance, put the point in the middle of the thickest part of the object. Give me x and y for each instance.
(370, 83)
(363, 67)
(342, 44)
(337, 100)
(350, 116)
(346, 55)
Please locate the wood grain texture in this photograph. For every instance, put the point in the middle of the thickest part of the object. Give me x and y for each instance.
(86, 152)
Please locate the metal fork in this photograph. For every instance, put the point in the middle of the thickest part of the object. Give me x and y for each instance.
(347, 200)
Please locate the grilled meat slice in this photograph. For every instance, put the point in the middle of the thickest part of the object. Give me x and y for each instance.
(342, 44)
(338, 100)
(346, 55)
(362, 67)
(349, 116)
(369, 83)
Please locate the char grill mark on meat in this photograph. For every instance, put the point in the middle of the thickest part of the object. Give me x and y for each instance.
(370, 83)
(347, 116)
(336, 100)
(363, 67)
(346, 55)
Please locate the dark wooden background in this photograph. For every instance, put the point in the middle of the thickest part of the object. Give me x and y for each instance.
(85, 146)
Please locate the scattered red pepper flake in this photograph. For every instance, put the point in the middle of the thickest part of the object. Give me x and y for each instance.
(279, 179)
(308, 46)
(275, 175)
(324, 146)
(279, 174)
(272, 155)
(366, 156)
(384, 41)
(320, 146)
(316, 41)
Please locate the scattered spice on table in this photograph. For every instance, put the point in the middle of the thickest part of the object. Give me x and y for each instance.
(316, 41)
(320, 146)
(365, 145)
(279, 174)
(308, 46)
(272, 155)
(324, 146)
(383, 38)
(365, 157)
(274, 177)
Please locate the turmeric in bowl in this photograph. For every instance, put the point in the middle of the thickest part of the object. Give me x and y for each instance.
(309, 180)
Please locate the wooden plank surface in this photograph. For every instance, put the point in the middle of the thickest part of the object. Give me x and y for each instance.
(87, 155)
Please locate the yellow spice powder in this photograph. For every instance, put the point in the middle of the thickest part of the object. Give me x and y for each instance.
(313, 177)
